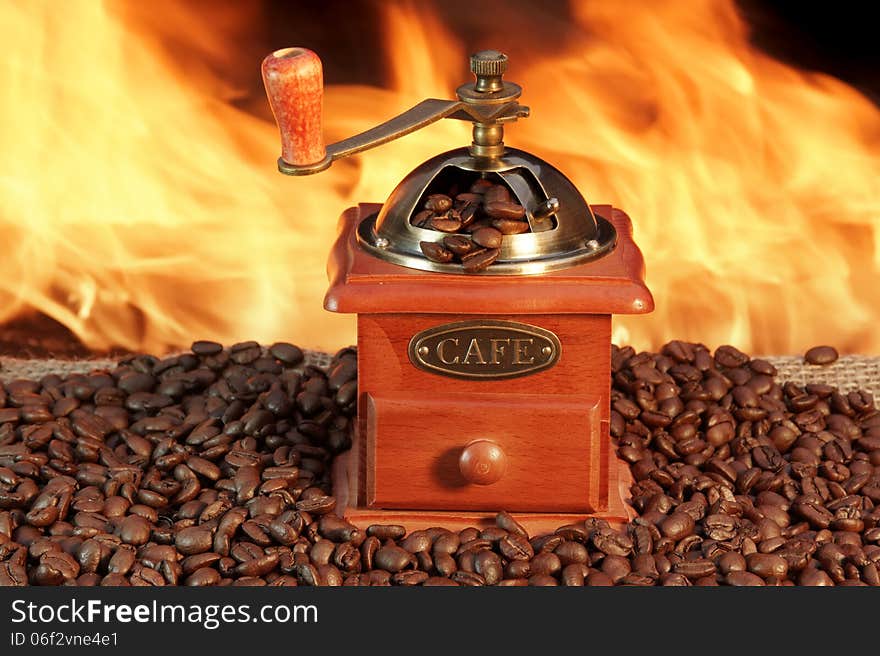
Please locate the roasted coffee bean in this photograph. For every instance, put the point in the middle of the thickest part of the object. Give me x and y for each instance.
(121, 561)
(55, 568)
(740, 578)
(204, 467)
(479, 260)
(289, 354)
(516, 547)
(542, 580)
(731, 561)
(492, 192)
(469, 579)
(444, 564)
(151, 498)
(393, 559)
(409, 578)
(480, 186)
(318, 505)
(89, 555)
(694, 569)
(422, 219)
(457, 244)
(573, 532)
(730, 357)
(574, 575)
(506, 521)
(386, 531)
(282, 532)
(438, 203)
(468, 197)
(674, 579)
(646, 565)
(13, 574)
(821, 355)
(435, 251)
(424, 561)
(468, 214)
(203, 577)
(488, 565)
(258, 566)
(510, 226)
(434, 581)
(598, 579)
(487, 237)
(346, 557)
(814, 577)
(504, 210)
(611, 542)
(192, 563)
(570, 552)
(134, 530)
(677, 525)
(635, 579)
(492, 533)
(446, 542)
(307, 574)
(616, 567)
(193, 540)
(416, 542)
(443, 224)
(813, 512)
(719, 527)
(205, 348)
(473, 546)
(767, 565)
(339, 530)
(322, 551)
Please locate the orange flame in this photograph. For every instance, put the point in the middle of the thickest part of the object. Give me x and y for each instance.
(141, 208)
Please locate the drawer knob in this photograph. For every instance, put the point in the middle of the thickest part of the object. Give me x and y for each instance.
(482, 462)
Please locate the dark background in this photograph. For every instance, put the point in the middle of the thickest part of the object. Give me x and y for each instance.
(838, 38)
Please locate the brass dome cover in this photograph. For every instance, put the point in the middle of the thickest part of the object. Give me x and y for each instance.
(574, 236)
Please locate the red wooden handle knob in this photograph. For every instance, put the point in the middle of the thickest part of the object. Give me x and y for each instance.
(482, 462)
(294, 83)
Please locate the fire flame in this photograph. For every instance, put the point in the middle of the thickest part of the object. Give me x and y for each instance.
(140, 206)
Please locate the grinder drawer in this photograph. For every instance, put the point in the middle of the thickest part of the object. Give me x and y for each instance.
(484, 451)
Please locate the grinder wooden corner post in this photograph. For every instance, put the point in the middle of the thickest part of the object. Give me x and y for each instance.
(484, 288)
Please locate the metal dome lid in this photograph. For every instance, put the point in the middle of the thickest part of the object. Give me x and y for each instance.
(563, 230)
(532, 219)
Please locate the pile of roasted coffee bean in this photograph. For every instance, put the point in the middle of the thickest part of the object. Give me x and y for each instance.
(203, 468)
(212, 468)
(476, 222)
(741, 479)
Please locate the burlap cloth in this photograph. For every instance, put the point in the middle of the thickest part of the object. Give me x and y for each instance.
(12, 368)
(850, 372)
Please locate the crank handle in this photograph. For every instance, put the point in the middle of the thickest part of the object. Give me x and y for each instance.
(294, 83)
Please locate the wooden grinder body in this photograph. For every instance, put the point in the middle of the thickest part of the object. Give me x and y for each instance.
(547, 431)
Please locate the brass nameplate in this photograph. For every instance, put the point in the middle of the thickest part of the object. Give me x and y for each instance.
(484, 349)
